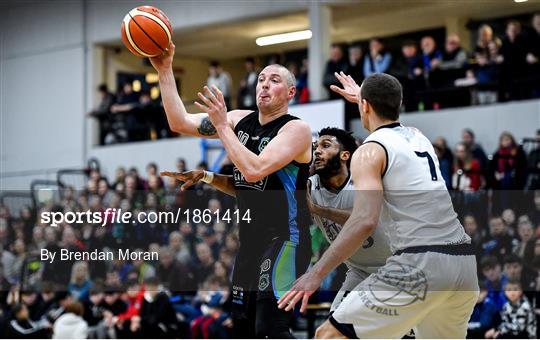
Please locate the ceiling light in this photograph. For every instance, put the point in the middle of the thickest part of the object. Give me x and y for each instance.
(520, 0)
(283, 38)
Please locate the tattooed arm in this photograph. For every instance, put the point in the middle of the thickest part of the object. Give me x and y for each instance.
(196, 124)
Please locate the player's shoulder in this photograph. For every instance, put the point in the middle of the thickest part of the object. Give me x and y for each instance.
(298, 124)
(236, 116)
(313, 180)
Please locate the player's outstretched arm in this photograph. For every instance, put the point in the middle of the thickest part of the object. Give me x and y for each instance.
(339, 216)
(293, 141)
(223, 183)
(350, 90)
(367, 166)
(180, 121)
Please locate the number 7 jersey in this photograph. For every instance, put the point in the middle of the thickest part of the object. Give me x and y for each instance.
(417, 209)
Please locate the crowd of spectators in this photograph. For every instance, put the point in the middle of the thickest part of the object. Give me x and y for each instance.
(434, 75)
(498, 199)
(186, 292)
(497, 69)
(129, 116)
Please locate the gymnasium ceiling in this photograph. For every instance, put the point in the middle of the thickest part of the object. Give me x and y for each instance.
(356, 20)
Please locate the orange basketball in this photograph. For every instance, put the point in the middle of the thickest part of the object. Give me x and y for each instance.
(146, 31)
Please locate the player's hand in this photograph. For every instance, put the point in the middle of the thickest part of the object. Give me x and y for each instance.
(350, 90)
(163, 62)
(214, 105)
(188, 177)
(313, 207)
(302, 289)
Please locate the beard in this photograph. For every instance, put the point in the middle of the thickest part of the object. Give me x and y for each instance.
(331, 168)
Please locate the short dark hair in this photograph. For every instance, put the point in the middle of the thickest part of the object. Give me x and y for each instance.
(103, 88)
(345, 138)
(384, 93)
(250, 60)
(409, 43)
(489, 262)
(469, 131)
(214, 63)
(512, 258)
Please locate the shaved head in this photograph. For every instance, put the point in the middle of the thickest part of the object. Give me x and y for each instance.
(288, 76)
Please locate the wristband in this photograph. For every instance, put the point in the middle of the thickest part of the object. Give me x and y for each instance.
(208, 177)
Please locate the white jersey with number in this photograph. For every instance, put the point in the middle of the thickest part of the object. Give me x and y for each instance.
(374, 251)
(417, 209)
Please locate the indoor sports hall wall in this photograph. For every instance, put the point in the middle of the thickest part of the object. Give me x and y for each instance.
(522, 119)
(47, 74)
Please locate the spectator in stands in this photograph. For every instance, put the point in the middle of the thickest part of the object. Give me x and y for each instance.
(484, 317)
(518, 319)
(485, 73)
(356, 63)
(534, 163)
(409, 70)
(174, 275)
(158, 318)
(337, 63)
(180, 250)
(112, 302)
(204, 263)
(246, 92)
(525, 231)
(80, 283)
(484, 37)
(103, 111)
(467, 170)
(499, 243)
(302, 88)
(127, 101)
(454, 56)
(21, 327)
(129, 322)
(468, 138)
(221, 79)
(152, 170)
(71, 325)
(378, 60)
(508, 170)
(513, 51)
(476, 234)
(495, 280)
(533, 55)
(509, 217)
(446, 160)
(431, 56)
(514, 271)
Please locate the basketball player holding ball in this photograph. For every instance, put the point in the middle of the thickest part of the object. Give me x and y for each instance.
(430, 282)
(271, 153)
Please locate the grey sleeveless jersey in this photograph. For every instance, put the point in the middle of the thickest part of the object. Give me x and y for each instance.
(375, 250)
(417, 209)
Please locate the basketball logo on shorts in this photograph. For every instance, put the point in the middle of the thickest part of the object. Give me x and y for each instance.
(264, 281)
(409, 285)
(265, 265)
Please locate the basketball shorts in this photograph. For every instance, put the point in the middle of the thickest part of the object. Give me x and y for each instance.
(432, 292)
(353, 278)
(266, 275)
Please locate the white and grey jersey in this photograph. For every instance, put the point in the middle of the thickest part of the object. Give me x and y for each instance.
(417, 209)
(374, 251)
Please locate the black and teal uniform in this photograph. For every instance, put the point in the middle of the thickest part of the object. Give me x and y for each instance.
(275, 245)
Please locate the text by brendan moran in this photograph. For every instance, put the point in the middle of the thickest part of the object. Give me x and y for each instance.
(95, 255)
